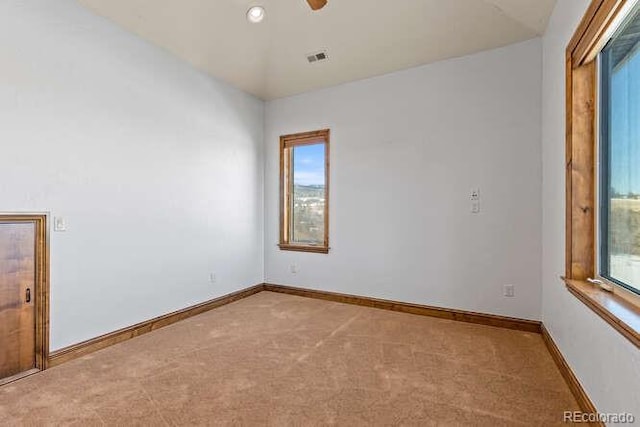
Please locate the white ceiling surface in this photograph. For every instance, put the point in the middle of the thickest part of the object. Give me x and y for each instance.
(363, 38)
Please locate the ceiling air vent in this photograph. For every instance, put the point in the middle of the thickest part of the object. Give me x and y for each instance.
(317, 57)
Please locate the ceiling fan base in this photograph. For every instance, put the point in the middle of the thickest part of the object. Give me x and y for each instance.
(317, 4)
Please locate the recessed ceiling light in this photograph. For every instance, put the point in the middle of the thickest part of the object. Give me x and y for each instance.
(255, 14)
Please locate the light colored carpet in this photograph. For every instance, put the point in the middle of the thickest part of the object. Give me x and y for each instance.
(274, 359)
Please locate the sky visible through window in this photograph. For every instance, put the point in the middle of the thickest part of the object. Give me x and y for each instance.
(308, 165)
(625, 126)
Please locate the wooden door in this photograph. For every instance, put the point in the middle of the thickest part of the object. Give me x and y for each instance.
(17, 297)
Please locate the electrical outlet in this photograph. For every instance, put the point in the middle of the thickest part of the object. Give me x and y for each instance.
(293, 268)
(509, 291)
(213, 278)
(475, 194)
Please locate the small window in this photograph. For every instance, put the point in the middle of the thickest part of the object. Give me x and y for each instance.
(619, 187)
(304, 192)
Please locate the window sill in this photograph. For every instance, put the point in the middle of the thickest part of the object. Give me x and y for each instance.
(620, 313)
(298, 248)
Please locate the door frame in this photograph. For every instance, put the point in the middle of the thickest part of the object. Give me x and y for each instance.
(41, 282)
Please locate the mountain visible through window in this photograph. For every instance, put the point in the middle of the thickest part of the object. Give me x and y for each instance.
(308, 194)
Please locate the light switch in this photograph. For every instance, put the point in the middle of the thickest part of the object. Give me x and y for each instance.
(475, 201)
(59, 224)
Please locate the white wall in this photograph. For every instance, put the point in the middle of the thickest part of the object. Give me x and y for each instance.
(407, 148)
(158, 170)
(156, 167)
(607, 365)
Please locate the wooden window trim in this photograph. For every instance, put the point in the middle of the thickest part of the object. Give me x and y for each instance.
(287, 141)
(620, 311)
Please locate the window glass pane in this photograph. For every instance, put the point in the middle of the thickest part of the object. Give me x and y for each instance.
(308, 198)
(620, 215)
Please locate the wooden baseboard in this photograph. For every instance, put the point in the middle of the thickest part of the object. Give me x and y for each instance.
(21, 375)
(423, 310)
(77, 350)
(586, 405)
(89, 346)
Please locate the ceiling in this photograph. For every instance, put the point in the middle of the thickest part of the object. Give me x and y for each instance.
(363, 38)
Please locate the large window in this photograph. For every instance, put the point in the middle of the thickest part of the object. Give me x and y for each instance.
(619, 186)
(304, 192)
(602, 259)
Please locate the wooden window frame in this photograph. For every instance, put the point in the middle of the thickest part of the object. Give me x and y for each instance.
(619, 308)
(286, 142)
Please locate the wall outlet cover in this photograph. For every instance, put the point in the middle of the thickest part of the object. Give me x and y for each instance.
(509, 291)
